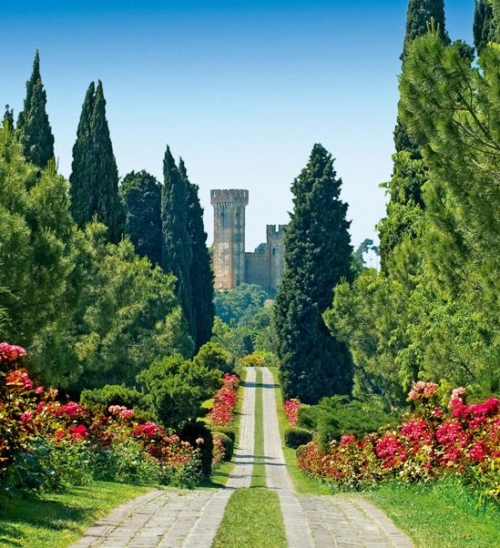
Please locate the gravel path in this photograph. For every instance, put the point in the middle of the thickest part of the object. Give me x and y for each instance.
(190, 519)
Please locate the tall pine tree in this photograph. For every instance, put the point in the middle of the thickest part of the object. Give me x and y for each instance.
(200, 273)
(176, 242)
(405, 188)
(317, 257)
(94, 176)
(35, 133)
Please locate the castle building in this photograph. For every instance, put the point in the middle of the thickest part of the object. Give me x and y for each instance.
(233, 266)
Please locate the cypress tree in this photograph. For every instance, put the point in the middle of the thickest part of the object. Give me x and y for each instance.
(108, 205)
(141, 198)
(484, 28)
(317, 257)
(176, 241)
(82, 199)
(200, 274)
(35, 133)
(94, 176)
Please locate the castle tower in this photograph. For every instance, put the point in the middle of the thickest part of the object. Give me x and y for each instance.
(228, 253)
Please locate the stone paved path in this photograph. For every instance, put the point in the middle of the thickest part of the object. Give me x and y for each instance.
(321, 521)
(190, 519)
(179, 518)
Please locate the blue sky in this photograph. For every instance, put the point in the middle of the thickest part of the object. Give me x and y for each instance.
(240, 89)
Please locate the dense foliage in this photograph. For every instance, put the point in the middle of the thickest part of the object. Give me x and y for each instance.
(141, 196)
(317, 257)
(201, 278)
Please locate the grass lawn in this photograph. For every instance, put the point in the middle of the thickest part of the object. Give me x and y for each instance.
(252, 519)
(58, 520)
(441, 515)
(259, 468)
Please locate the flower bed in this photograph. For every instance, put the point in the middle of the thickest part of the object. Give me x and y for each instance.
(430, 442)
(45, 444)
(291, 409)
(222, 413)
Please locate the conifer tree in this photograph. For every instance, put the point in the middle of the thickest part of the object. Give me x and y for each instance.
(141, 197)
(176, 241)
(317, 257)
(484, 27)
(94, 176)
(420, 14)
(35, 133)
(200, 273)
(8, 117)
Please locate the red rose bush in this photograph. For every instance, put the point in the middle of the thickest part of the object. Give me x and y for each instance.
(46, 444)
(430, 442)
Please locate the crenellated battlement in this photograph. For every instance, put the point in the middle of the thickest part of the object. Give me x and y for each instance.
(229, 197)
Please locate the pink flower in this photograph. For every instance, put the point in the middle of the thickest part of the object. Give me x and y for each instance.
(200, 441)
(127, 413)
(11, 352)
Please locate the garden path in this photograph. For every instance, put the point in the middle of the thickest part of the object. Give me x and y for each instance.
(179, 518)
(190, 519)
(320, 521)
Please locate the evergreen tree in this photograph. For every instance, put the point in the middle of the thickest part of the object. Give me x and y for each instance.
(94, 176)
(33, 124)
(200, 274)
(484, 28)
(420, 14)
(8, 117)
(82, 201)
(318, 256)
(176, 242)
(141, 197)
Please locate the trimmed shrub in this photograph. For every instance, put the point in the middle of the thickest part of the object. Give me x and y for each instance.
(294, 437)
(230, 433)
(227, 443)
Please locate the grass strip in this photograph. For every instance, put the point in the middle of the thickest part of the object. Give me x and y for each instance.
(252, 519)
(301, 482)
(445, 514)
(59, 520)
(259, 466)
(221, 474)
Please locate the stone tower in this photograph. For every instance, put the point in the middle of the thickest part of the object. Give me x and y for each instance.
(228, 253)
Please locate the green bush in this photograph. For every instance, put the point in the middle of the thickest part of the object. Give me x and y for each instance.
(228, 444)
(99, 400)
(230, 433)
(294, 437)
(192, 432)
(336, 416)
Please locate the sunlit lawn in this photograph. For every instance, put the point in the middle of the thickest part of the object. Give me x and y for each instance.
(58, 520)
